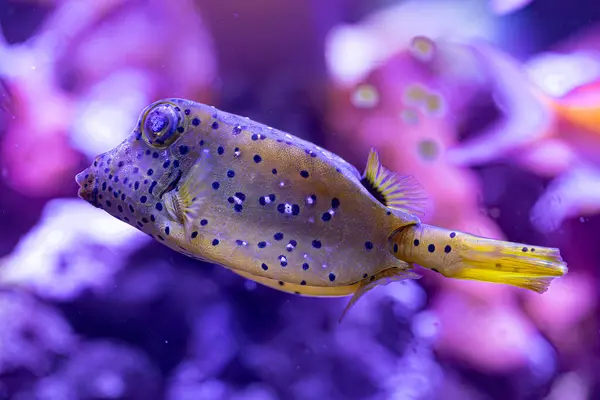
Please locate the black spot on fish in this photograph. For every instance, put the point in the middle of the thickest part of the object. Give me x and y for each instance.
(240, 196)
(283, 260)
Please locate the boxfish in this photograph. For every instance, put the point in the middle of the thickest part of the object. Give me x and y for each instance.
(286, 213)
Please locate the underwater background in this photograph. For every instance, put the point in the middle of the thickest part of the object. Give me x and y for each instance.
(493, 105)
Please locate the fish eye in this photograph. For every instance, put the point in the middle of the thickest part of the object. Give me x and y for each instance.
(161, 124)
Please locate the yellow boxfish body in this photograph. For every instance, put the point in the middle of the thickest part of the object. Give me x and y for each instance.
(263, 203)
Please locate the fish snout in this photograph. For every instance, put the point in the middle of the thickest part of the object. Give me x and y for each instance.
(88, 185)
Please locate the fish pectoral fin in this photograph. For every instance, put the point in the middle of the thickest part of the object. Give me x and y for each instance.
(400, 192)
(184, 203)
(303, 290)
(381, 278)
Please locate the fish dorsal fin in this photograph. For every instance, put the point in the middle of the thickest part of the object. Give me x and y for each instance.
(184, 203)
(381, 278)
(393, 190)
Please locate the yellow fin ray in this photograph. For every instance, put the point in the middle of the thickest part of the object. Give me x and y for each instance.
(400, 192)
(527, 267)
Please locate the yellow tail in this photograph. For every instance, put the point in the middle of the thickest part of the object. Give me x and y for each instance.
(460, 255)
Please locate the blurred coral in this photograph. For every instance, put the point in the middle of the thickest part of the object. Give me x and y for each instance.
(100, 370)
(33, 337)
(70, 84)
(62, 256)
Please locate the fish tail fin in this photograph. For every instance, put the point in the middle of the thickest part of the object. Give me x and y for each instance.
(463, 256)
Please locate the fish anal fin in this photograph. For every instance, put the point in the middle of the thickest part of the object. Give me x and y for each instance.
(381, 278)
(397, 191)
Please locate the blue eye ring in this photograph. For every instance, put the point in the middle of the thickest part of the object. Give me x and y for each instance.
(162, 124)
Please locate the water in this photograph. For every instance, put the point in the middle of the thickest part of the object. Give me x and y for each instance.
(474, 98)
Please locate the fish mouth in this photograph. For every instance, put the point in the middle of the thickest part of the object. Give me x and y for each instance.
(81, 177)
(172, 185)
(88, 186)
